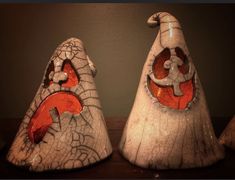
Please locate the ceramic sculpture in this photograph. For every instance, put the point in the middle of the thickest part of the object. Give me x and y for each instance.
(169, 126)
(64, 127)
(227, 137)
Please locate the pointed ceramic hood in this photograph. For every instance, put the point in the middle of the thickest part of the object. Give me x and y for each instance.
(169, 126)
(64, 127)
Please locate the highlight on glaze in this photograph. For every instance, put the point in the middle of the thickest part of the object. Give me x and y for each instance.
(169, 126)
(64, 127)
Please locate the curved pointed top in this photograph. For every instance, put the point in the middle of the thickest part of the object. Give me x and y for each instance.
(170, 33)
(161, 17)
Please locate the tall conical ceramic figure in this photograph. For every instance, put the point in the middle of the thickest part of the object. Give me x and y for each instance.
(169, 125)
(227, 137)
(64, 127)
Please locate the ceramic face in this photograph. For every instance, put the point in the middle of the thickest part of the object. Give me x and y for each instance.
(169, 125)
(64, 126)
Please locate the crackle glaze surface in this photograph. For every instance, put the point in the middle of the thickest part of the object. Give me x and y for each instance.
(71, 138)
(169, 126)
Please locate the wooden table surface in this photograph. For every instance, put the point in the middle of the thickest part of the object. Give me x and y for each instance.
(115, 166)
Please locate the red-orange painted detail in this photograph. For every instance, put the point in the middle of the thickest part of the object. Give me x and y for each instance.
(165, 95)
(63, 101)
(72, 76)
(41, 120)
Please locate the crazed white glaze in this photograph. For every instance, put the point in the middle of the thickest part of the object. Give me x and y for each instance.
(157, 136)
(73, 140)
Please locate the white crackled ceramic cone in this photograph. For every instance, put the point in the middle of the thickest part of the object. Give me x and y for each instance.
(64, 127)
(227, 137)
(169, 126)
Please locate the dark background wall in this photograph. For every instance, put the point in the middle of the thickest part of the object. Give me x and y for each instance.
(117, 40)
